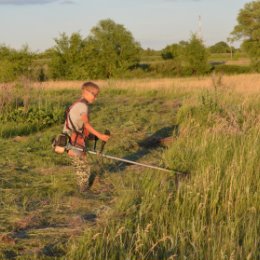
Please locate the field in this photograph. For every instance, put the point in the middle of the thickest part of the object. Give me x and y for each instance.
(210, 212)
(236, 59)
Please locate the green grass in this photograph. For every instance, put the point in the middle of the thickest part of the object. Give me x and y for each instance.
(211, 213)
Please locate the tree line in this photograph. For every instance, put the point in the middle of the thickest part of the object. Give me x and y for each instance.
(110, 51)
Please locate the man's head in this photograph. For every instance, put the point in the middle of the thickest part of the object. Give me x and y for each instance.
(90, 91)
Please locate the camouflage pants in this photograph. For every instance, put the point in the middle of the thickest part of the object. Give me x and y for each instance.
(84, 176)
(86, 172)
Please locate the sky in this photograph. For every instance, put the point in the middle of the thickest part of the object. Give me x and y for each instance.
(153, 23)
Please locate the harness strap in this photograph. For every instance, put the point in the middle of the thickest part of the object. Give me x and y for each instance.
(68, 118)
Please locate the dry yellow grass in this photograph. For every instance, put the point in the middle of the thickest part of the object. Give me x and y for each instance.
(244, 83)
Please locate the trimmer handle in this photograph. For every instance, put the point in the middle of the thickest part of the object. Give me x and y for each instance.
(95, 143)
(107, 132)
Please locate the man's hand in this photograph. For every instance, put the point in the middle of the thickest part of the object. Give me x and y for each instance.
(104, 137)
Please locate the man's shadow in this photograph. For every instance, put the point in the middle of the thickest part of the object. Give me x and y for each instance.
(157, 140)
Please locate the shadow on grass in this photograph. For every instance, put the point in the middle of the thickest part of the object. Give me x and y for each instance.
(146, 146)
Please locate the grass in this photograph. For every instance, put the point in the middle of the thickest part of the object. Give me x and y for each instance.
(212, 213)
(41, 208)
(246, 84)
(237, 59)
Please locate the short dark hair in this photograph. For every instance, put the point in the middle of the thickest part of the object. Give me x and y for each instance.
(90, 86)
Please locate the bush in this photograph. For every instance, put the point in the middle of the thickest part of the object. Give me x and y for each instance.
(196, 56)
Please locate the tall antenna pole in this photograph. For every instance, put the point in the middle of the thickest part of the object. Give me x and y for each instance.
(199, 34)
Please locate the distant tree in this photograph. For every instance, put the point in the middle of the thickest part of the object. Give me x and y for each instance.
(5, 52)
(110, 50)
(248, 29)
(15, 63)
(170, 51)
(23, 60)
(220, 47)
(196, 56)
(67, 58)
(6, 71)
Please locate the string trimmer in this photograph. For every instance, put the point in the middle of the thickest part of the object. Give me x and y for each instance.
(67, 146)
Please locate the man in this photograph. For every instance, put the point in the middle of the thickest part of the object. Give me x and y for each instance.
(78, 127)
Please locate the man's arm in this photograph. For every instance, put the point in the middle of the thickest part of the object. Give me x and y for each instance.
(91, 129)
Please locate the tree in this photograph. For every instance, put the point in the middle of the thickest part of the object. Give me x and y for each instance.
(15, 63)
(248, 29)
(220, 47)
(68, 58)
(170, 51)
(196, 56)
(110, 50)
(174, 51)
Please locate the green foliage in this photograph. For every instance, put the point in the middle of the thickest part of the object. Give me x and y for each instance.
(24, 111)
(68, 57)
(171, 51)
(15, 63)
(19, 122)
(253, 50)
(110, 50)
(196, 56)
(189, 57)
(169, 68)
(248, 28)
(175, 52)
(6, 71)
(220, 47)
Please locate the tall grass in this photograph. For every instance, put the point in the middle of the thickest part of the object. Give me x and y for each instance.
(213, 214)
(246, 84)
